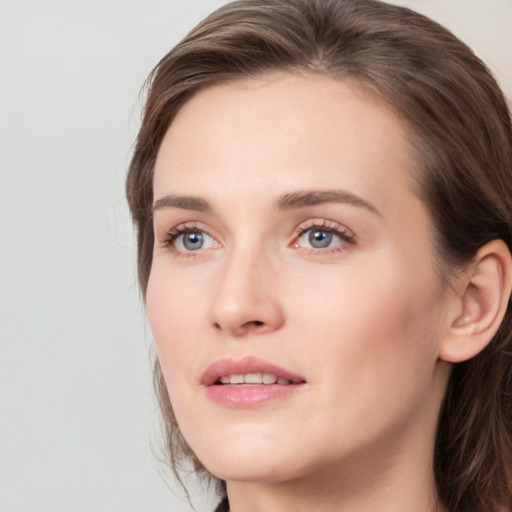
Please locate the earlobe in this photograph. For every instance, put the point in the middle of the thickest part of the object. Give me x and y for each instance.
(483, 299)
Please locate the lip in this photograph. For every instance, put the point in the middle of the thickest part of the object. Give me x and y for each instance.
(224, 367)
(247, 395)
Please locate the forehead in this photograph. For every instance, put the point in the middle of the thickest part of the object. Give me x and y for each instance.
(299, 131)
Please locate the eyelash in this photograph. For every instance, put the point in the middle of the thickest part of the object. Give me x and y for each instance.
(347, 237)
(170, 238)
(344, 234)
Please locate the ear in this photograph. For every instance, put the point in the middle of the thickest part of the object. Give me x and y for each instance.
(483, 292)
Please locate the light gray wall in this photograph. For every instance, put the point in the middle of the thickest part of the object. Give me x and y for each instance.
(77, 418)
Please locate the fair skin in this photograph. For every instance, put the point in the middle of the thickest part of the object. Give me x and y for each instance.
(304, 245)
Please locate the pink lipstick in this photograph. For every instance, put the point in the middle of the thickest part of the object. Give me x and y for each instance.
(248, 382)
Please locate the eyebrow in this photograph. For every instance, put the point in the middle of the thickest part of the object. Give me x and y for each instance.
(303, 199)
(182, 202)
(289, 201)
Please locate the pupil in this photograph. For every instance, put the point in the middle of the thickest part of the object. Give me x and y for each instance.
(320, 239)
(193, 241)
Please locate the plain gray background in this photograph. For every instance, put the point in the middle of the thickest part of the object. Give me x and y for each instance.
(78, 423)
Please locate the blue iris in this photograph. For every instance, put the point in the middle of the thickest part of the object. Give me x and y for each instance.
(319, 238)
(193, 240)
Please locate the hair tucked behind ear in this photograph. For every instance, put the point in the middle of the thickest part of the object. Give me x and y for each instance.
(460, 129)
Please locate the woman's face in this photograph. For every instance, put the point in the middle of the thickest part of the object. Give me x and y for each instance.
(289, 245)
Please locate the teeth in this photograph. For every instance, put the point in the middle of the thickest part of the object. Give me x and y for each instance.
(268, 378)
(254, 378)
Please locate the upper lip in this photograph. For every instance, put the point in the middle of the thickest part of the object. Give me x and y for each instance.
(228, 366)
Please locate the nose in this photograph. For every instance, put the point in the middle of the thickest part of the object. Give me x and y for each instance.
(246, 300)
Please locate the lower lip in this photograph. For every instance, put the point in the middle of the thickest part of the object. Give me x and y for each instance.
(249, 396)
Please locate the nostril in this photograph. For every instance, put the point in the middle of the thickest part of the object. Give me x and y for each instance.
(254, 323)
(246, 326)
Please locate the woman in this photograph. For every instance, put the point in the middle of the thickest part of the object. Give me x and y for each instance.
(322, 194)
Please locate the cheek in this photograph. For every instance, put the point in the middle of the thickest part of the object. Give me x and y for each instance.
(376, 296)
(373, 362)
(371, 331)
(173, 302)
(174, 313)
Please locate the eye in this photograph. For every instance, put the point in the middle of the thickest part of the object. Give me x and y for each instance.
(189, 239)
(319, 238)
(323, 235)
(193, 240)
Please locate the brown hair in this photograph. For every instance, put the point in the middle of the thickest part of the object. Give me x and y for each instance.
(460, 128)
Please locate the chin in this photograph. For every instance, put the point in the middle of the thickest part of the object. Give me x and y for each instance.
(249, 461)
(253, 471)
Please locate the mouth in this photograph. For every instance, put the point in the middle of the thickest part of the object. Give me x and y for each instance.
(249, 371)
(253, 379)
(248, 382)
